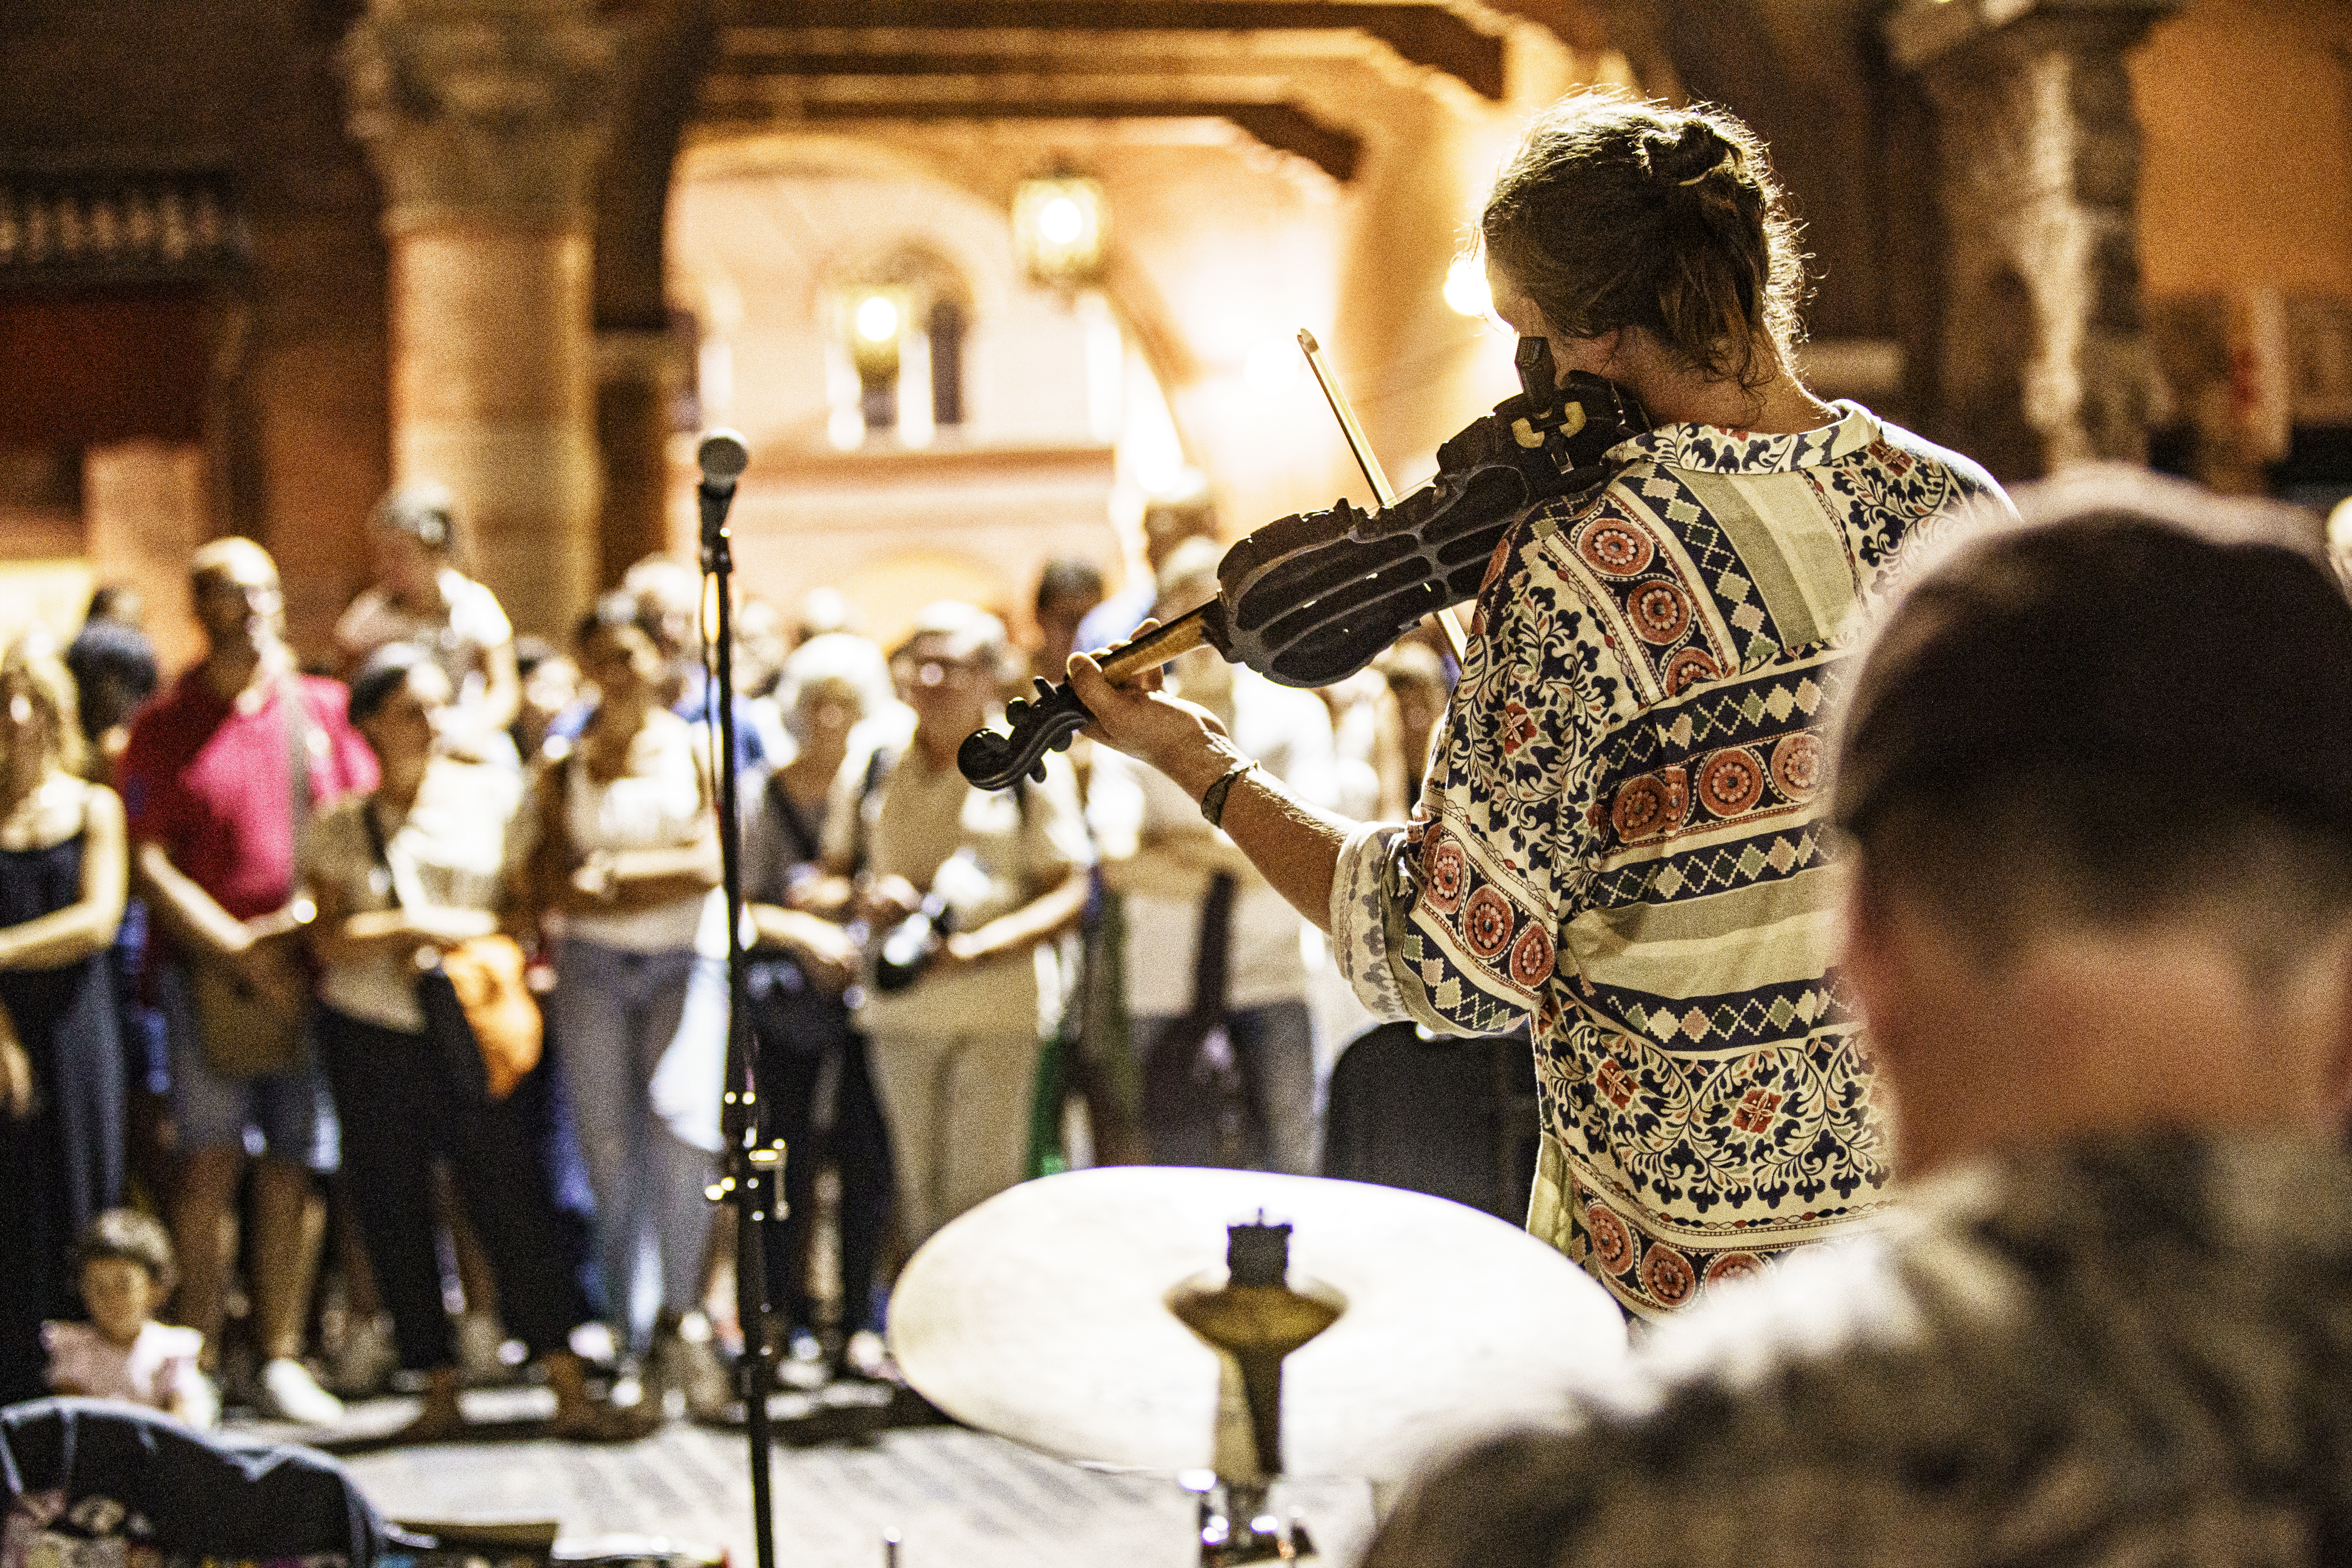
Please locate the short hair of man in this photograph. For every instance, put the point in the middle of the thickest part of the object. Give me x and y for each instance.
(384, 673)
(1068, 576)
(215, 556)
(2129, 705)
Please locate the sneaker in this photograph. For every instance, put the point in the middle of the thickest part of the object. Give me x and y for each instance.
(685, 1360)
(365, 1363)
(481, 1338)
(802, 1366)
(290, 1393)
(866, 1355)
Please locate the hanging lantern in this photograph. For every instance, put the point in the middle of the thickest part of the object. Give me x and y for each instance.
(1059, 226)
(873, 321)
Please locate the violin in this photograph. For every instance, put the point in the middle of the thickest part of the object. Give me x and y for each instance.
(1312, 598)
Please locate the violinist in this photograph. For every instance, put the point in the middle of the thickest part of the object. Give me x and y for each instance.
(1621, 834)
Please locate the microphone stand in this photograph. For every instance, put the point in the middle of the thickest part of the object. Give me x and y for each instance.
(750, 1172)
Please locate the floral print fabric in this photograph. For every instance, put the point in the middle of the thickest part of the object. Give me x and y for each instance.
(1622, 836)
(2126, 1353)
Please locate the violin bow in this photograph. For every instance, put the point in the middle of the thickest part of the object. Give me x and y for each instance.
(1383, 493)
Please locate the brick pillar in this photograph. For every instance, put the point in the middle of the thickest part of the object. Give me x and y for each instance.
(486, 119)
(2044, 356)
(638, 377)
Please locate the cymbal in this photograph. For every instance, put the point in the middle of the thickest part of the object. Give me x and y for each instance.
(1041, 1315)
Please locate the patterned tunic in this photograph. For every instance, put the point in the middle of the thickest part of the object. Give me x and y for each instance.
(1622, 836)
(2131, 1354)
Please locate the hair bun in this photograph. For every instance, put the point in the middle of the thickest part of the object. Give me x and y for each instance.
(1684, 157)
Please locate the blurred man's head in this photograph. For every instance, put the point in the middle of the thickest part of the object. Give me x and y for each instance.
(1168, 520)
(949, 669)
(1067, 591)
(669, 599)
(2094, 769)
(238, 600)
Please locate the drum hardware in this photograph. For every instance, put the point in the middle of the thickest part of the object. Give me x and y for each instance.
(1046, 1315)
(1253, 1320)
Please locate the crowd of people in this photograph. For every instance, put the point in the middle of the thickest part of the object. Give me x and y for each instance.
(232, 899)
(1827, 821)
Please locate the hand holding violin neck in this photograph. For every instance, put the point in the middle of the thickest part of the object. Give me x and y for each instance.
(1194, 628)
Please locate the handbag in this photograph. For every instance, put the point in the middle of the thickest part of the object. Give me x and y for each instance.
(477, 1005)
(479, 1010)
(1196, 1098)
(244, 1034)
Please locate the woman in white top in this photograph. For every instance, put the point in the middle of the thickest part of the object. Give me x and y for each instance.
(627, 865)
(422, 863)
(422, 598)
(955, 1051)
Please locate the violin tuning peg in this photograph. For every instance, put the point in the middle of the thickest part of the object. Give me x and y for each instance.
(1044, 686)
(1038, 774)
(1014, 709)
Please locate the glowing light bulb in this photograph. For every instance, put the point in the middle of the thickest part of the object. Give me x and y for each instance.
(1272, 367)
(1465, 287)
(878, 319)
(1061, 221)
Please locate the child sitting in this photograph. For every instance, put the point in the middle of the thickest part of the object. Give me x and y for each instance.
(124, 1261)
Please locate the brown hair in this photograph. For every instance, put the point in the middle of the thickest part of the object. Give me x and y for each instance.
(127, 1234)
(34, 658)
(2119, 708)
(1619, 213)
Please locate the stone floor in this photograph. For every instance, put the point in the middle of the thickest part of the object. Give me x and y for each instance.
(957, 1499)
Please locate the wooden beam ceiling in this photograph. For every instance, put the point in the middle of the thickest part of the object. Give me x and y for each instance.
(1425, 34)
(1282, 126)
(816, 61)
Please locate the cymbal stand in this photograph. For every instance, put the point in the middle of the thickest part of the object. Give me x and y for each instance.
(752, 1168)
(1253, 1320)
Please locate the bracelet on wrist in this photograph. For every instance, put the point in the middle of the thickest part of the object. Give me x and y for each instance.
(1212, 799)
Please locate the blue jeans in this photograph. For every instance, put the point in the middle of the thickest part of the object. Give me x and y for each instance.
(289, 1111)
(643, 1060)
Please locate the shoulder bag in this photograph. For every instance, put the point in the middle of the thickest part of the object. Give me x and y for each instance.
(1196, 1100)
(242, 1033)
(791, 1013)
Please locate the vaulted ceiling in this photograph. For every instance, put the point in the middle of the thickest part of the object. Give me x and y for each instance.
(829, 61)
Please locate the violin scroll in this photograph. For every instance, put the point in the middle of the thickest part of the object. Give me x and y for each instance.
(995, 761)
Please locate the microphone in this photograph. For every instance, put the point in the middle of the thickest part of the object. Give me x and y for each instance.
(723, 458)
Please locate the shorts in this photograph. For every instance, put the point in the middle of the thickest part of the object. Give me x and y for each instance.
(285, 1115)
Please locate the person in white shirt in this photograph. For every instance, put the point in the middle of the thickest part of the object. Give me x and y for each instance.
(124, 1262)
(422, 598)
(955, 1048)
(627, 865)
(1161, 856)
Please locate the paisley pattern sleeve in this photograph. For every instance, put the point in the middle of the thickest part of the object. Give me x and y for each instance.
(1360, 918)
(1479, 882)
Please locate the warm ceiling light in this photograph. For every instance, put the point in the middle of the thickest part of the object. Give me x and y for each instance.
(1465, 287)
(877, 318)
(1061, 221)
(872, 320)
(1059, 227)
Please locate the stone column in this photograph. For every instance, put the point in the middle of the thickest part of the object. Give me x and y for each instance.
(639, 375)
(486, 119)
(2044, 358)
